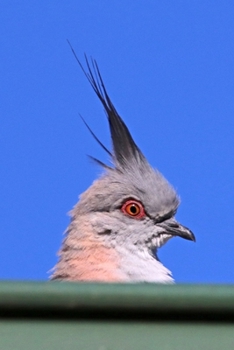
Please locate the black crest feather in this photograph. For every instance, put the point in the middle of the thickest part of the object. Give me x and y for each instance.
(125, 149)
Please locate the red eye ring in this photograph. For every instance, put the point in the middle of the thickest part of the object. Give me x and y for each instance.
(133, 208)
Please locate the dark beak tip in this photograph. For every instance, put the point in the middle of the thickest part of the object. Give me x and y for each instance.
(191, 237)
(188, 234)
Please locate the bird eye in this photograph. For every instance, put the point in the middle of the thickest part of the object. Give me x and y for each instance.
(133, 208)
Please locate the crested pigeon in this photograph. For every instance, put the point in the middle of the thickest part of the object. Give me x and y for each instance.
(124, 216)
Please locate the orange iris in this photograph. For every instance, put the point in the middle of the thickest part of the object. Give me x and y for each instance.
(133, 208)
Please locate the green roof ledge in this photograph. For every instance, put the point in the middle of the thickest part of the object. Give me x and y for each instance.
(63, 315)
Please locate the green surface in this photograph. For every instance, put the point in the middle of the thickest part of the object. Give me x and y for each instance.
(53, 315)
(38, 335)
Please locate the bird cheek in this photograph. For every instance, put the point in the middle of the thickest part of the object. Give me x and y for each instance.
(101, 222)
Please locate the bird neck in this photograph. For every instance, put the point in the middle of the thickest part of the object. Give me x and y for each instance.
(88, 255)
(139, 265)
(85, 257)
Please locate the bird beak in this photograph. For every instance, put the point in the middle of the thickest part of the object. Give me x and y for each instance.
(172, 227)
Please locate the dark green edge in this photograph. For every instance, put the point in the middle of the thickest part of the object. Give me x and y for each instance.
(89, 300)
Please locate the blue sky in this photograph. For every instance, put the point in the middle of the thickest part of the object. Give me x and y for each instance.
(169, 69)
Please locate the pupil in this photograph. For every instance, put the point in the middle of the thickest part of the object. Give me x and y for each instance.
(133, 209)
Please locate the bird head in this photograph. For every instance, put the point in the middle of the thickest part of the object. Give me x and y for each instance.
(131, 208)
